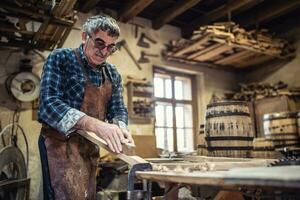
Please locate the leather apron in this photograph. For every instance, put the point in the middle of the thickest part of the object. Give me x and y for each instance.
(72, 161)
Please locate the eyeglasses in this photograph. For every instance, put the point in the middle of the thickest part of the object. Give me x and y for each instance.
(100, 44)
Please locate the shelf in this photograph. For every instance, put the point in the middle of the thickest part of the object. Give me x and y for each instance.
(142, 94)
(226, 45)
(140, 98)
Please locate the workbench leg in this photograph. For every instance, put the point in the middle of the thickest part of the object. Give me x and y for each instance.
(171, 191)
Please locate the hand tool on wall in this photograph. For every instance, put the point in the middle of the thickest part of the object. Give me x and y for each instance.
(123, 43)
(136, 29)
(136, 163)
(143, 58)
(142, 43)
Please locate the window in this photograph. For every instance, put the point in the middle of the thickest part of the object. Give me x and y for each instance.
(173, 112)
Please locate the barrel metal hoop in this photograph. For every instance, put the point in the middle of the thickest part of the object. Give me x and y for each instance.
(268, 135)
(228, 114)
(238, 148)
(217, 138)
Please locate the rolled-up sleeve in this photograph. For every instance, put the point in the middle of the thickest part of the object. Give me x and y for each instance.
(53, 111)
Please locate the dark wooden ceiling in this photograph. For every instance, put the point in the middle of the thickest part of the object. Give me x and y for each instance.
(276, 15)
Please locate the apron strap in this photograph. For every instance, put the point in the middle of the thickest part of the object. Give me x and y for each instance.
(77, 54)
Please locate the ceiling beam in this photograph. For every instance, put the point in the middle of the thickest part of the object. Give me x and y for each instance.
(268, 12)
(133, 8)
(214, 15)
(88, 5)
(169, 14)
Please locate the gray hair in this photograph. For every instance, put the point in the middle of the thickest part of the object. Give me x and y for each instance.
(101, 22)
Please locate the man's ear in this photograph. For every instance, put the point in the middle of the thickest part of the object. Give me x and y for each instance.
(84, 37)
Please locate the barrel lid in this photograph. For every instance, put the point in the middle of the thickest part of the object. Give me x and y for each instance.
(225, 103)
(280, 115)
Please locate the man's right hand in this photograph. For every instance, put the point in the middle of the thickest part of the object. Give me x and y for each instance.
(111, 133)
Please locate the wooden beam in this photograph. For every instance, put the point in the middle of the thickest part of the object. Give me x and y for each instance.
(201, 41)
(214, 15)
(269, 11)
(213, 53)
(169, 14)
(88, 5)
(133, 8)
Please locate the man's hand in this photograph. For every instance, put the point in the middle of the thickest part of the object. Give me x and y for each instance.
(111, 133)
(128, 137)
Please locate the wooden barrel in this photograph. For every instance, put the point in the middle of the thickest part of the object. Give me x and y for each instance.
(228, 129)
(282, 129)
(264, 148)
(298, 123)
(201, 143)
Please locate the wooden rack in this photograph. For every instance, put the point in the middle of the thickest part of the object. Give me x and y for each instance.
(140, 101)
(50, 24)
(226, 44)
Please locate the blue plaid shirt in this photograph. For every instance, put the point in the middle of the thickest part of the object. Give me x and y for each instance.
(62, 90)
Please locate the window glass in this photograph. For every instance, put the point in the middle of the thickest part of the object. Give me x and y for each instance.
(168, 88)
(158, 87)
(183, 88)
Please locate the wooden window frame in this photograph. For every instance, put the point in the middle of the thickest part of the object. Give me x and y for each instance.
(173, 102)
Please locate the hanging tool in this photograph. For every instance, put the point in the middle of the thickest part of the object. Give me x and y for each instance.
(136, 163)
(142, 43)
(136, 29)
(123, 43)
(143, 58)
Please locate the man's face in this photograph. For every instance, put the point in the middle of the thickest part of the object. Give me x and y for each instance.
(98, 46)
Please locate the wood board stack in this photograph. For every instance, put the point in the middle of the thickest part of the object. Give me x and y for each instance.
(227, 44)
(256, 91)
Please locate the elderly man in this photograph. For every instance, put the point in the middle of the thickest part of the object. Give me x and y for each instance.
(80, 90)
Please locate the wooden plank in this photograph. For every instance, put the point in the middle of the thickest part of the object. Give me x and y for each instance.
(210, 166)
(131, 160)
(57, 8)
(169, 14)
(281, 176)
(133, 8)
(201, 41)
(254, 61)
(217, 159)
(231, 58)
(64, 37)
(269, 11)
(250, 48)
(41, 31)
(214, 52)
(214, 15)
(205, 50)
(198, 178)
(69, 9)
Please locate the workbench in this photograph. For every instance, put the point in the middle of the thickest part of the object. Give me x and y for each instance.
(279, 178)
